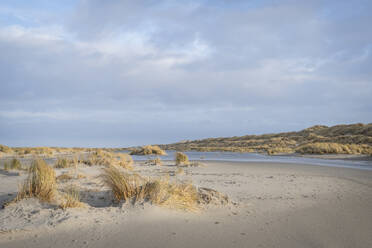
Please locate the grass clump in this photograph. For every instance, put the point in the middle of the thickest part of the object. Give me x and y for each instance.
(40, 183)
(14, 164)
(131, 187)
(65, 163)
(64, 177)
(5, 149)
(71, 199)
(125, 161)
(148, 150)
(334, 148)
(104, 158)
(155, 161)
(123, 185)
(179, 171)
(181, 158)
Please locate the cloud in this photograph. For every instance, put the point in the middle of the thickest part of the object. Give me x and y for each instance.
(205, 68)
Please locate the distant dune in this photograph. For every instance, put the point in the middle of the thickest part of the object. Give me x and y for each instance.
(340, 139)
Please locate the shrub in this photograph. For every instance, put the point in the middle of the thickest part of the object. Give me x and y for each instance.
(181, 158)
(40, 183)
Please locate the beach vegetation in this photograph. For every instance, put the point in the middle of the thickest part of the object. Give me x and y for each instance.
(134, 188)
(40, 183)
(148, 150)
(181, 158)
(71, 198)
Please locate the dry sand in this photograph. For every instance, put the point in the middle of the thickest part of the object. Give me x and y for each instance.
(271, 205)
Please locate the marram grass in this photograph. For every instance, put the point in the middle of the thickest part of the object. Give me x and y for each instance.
(181, 158)
(40, 183)
(131, 187)
(71, 199)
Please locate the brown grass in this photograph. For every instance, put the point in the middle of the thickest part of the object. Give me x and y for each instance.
(71, 199)
(104, 158)
(65, 163)
(334, 148)
(14, 164)
(155, 161)
(40, 183)
(64, 177)
(131, 187)
(125, 161)
(181, 158)
(5, 149)
(148, 150)
(179, 171)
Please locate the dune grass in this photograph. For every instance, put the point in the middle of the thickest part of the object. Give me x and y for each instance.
(334, 148)
(71, 198)
(155, 161)
(14, 164)
(179, 171)
(288, 142)
(5, 149)
(64, 177)
(125, 161)
(63, 163)
(181, 158)
(40, 183)
(105, 158)
(131, 187)
(148, 150)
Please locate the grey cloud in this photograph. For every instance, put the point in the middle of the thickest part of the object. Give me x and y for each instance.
(135, 72)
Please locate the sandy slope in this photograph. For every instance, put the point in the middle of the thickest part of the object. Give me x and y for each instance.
(273, 205)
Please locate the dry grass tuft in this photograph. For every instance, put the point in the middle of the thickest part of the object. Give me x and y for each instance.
(40, 183)
(155, 161)
(172, 195)
(160, 192)
(5, 149)
(125, 161)
(123, 185)
(104, 158)
(179, 171)
(71, 199)
(334, 148)
(14, 164)
(65, 163)
(64, 177)
(80, 176)
(148, 150)
(40, 151)
(181, 158)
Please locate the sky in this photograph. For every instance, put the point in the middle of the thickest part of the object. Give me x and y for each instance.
(120, 73)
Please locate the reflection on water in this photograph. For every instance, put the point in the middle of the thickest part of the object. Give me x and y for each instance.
(254, 157)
